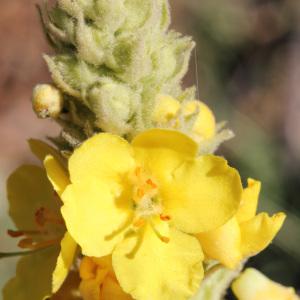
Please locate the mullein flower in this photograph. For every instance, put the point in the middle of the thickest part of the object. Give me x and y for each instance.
(193, 118)
(34, 207)
(244, 235)
(253, 285)
(143, 203)
(98, 280)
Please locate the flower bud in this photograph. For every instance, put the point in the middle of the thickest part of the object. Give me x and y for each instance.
(47, 101)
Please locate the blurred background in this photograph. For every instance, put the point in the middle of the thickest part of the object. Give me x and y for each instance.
(247, 65)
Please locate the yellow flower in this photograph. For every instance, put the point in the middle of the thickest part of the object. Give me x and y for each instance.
(193, 118)
(245, 234)
(141, 202)
(98, 280)
(253, 285)
(35, 209)
(167, 109)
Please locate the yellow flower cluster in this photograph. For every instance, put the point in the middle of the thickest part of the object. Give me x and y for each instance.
(147, 214)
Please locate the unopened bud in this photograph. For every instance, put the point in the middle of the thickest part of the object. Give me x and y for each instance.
(47, 101)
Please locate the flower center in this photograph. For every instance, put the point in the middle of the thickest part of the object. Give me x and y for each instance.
(145, 195)
(147, 203)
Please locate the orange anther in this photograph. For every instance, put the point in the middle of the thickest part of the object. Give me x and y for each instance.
(15, 233)
(165, 218)
(40, 216)
(44, 215)
(26, 243)
(165, 239)
(140, 193)
(138, 171)
(139, 223)
(30, 244)
(151, 183)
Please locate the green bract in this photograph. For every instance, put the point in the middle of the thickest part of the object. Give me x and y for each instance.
(114, 58)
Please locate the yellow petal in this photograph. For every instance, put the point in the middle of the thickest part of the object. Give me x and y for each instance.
(64, 261)
(28, 189)
(166, 109)
(94, 217)
(253, 285)
(223, 244)
(205, 124)
(158, 270)
(166, 139)
(104, 156)
(111, 290)
(57, 174)
(248, 206)
(201, 194)
(259, 232)
(33, 276)
(41, 149)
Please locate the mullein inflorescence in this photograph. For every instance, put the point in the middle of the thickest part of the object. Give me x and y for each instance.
(112, 60)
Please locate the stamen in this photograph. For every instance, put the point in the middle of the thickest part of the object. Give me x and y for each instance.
(28, 243)
(163, 238)
(44, 215)
(139, 222)
(123, 227)
(140, 193)
(138, 171)
(151, 183)
(15, 233)
(19, 233)
(165, 217)
(140, 237)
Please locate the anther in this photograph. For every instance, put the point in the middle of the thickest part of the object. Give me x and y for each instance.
(15, 233)
(139, 223)
(138, 171)
(151, 183)
(19, 233)
(140, 193)
(28, 243)
(44, 215)
(165, 217)
(165, 239)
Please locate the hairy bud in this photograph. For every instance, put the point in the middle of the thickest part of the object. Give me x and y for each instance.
(47, 101)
